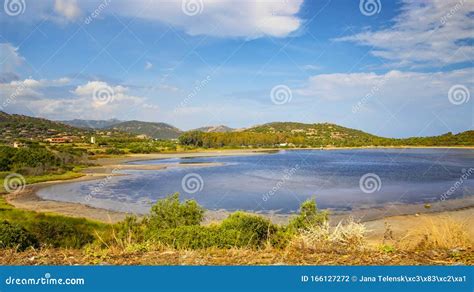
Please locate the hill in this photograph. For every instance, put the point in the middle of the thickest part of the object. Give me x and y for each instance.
(92, 124)
(214, 129)
(14, 127)
(314, 135)
(153, 130)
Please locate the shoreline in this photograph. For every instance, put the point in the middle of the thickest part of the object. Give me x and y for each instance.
(28, 198)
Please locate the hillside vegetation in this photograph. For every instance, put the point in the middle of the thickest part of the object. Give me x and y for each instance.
(116, 137)
(313, 135)
(152, 130)
(13, 127)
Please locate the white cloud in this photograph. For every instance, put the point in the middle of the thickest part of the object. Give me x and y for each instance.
(85, 101)
(221, 18)
(100, 94)
(69, 9)
(393, 85)
(425, 33)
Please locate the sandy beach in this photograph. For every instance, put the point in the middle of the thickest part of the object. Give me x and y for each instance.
(399, 216)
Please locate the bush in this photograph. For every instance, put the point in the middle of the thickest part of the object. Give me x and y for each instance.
(200, 237)
(130, 231)
(171, 213)
(189, 237)
(114, 151)
(252, 230)
(309, 217)
(15, 236)
(61, 234)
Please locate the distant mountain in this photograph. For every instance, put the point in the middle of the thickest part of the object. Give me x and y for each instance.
(153, 130)
(14, 127)
(92, 124)
(214, 129)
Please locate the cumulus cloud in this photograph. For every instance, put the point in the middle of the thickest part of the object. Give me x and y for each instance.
(101, 94)
(221, 18)
(69, 9)
(89, 100)
(393, 85)
(425, 33)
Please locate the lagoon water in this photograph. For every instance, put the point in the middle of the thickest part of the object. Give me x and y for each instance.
(279, 182)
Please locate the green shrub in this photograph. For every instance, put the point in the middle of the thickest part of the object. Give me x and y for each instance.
(188, 237)
(130, 231)
(200, 237)
(61, 233)
(308, 217)
(15, 236)
(252, 230)
(114, 151)
(281, 238)
(171, 213)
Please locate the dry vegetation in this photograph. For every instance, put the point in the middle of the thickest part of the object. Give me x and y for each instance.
(344, 244)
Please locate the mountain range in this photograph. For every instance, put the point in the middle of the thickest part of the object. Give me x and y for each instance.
(13, 126)
(150, 129)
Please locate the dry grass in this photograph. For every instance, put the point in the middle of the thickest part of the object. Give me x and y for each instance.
(268, 256)
(440, 233)
(348, 235)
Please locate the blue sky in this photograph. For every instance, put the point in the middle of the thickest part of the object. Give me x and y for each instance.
(391, 68)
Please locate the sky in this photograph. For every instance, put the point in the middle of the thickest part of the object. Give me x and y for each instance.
(390, 68)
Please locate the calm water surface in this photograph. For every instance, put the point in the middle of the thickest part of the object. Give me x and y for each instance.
(281, 181)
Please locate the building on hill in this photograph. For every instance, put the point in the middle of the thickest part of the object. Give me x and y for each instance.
(59, 140)
(18, 144)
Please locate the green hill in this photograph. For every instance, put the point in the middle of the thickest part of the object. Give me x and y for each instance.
(14, 127)
(153, 130)
(291, 134)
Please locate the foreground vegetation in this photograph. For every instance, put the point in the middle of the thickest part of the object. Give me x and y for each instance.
(173, 234)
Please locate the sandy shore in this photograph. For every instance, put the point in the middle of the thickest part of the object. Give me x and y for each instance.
(400, 216)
